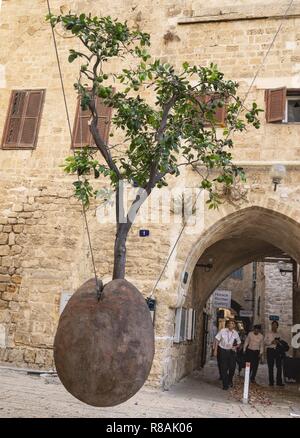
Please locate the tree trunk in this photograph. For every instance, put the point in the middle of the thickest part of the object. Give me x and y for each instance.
(124, 224)
(120, 251)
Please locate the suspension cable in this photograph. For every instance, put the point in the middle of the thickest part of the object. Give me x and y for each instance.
(98, 283)
(195, 167)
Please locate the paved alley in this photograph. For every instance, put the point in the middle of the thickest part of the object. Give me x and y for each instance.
(197, 396)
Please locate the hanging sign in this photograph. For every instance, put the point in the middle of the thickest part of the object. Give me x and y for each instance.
(246, 313)
(274, 318)
(222, 298)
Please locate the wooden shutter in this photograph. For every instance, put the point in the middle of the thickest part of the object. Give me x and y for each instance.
(23, 119)
(81, 132)
(104, 118)
(220, 113)
(275, 104)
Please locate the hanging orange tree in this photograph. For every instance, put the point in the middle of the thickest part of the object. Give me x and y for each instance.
(178, 129)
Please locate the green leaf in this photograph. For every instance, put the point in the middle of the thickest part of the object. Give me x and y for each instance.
(73, 55)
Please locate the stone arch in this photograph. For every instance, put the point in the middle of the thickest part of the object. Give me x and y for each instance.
(250, 233)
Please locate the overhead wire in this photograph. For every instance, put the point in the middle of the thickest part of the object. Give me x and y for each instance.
(195, 167)
(97, 282)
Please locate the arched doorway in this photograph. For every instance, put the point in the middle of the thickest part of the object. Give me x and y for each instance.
(247, 235)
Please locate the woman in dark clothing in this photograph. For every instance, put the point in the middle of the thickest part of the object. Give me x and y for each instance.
(240, 356)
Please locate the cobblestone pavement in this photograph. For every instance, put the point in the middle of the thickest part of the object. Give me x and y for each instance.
(196, 396)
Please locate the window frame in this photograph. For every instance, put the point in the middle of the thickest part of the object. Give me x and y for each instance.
(18, 144)
(290, 94)
(77, 121)
(293, 96)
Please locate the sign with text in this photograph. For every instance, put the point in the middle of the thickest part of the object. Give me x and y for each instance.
(274, 318)
(246, 313)
(222, 298)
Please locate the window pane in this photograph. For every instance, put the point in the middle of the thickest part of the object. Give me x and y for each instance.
(34, 103)
(17, 104)
(27, 136)
(13, 130)
(294, 110)
(238, 274)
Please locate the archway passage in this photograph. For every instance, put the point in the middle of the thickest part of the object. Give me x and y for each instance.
(249, 235)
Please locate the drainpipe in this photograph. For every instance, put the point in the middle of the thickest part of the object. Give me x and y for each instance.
(296, 300)
(254, 279)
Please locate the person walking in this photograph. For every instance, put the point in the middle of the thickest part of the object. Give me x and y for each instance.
(240, 356)
(227, 340)
(254, 348)
(213, 337)
(274, 354)
(217, 347)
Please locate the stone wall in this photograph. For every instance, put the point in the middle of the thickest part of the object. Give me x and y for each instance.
(279, 299)
(241, 289)
(43, 244)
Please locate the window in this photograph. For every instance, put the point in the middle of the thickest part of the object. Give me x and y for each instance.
(191, 323)
(180, 325)
(220, 112)
(23, 119)
(283, 105)
(238, 274)
(185, 325)
(81, 131)
(292, 113)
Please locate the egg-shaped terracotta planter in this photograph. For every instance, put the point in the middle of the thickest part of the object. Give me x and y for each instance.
(103, 350)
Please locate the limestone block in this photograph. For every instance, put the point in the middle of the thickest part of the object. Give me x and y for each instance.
(12, 214)
(40, 357)
(49, 361)
(7, 296)
(3, 238)
(14, 306)
(2, 353)
(3, 304)
(4, 250)
(16, 279)
(11, 239)
(16, 249)
(25, 215)
(16, 356)
(4, 278)
(29, 207)
(4, 316)
(29, 355)
(17, 207)
(7, 261)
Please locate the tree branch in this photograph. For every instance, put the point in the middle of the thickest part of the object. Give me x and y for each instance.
(99, 141)
(158, 137)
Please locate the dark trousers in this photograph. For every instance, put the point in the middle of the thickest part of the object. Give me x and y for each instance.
(274, 357)
(252, 356)
(227, 366)
(218, 361)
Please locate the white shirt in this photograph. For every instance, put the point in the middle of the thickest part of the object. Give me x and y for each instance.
(227, 337)
(254, 342)
(270, 337)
